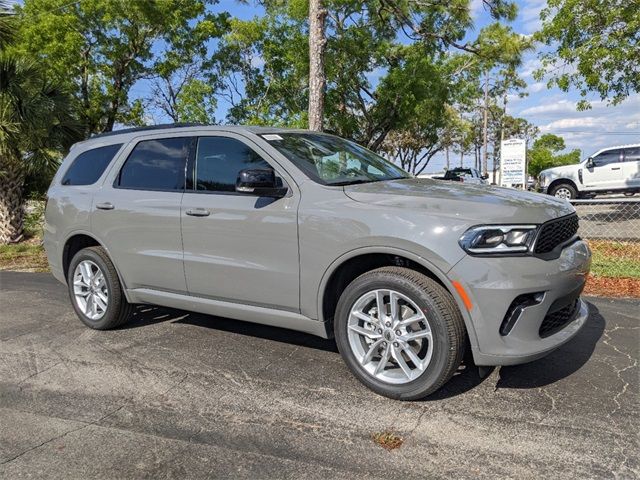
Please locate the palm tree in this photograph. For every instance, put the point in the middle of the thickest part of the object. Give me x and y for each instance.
(36, 123)
(6, 30)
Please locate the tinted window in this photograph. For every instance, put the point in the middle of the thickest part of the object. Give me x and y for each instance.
(219, 160)
(605, 158)
(632, 154)
(87, 168)
(156, 165)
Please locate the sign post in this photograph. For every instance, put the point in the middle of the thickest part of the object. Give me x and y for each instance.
(513, 158)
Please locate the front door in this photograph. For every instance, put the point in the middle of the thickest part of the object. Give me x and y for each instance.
(606, 173)
(238, 247)
(631, 168)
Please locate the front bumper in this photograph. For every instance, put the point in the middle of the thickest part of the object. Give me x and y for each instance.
(493, 284)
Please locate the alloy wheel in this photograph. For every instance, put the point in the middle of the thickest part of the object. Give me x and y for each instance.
(390, 336)
(90, 290)
(563, 192)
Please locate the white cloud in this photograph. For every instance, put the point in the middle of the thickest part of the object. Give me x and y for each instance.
(536, 87)
(589, 130)
(529, 66)
(553, 107)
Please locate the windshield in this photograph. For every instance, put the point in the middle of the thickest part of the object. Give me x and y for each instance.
(332, 160)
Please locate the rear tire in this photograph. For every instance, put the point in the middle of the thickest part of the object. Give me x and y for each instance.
(95, 290)
(564, 190)
(375, 347)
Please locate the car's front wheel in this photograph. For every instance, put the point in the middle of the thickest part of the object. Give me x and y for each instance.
(400, 332)
(564, 190)
(95, 290)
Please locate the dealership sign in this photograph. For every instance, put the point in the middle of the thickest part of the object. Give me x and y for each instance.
(513, 157)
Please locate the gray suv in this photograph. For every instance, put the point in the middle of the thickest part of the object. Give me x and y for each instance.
(311, 232)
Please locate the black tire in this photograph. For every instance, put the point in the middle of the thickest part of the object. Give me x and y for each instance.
(445, 319)
(118, 310)
(569, 188)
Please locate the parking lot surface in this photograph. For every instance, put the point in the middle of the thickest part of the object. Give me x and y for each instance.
(177, 395)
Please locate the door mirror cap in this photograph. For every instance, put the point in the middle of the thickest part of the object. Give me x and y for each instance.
(590, 163)
(260, 182)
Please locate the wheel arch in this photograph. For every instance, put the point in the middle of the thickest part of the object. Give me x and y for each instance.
(559, 181)
(356, 262)
(78, 240)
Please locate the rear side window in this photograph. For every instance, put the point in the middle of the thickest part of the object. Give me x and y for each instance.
(219, 161)
(632, 154)
(89, 166)
(156, 165)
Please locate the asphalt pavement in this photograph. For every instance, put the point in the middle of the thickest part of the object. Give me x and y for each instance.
(178, 395)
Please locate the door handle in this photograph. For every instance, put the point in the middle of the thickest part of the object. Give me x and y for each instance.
(105, 206)
(615, 168)
(198, 212)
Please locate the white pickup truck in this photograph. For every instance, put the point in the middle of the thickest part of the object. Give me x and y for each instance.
(610, 170)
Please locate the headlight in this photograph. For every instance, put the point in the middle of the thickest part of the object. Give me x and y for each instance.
(498, 239)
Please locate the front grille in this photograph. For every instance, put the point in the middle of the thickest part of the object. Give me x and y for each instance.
(555, 232)
(556, 321)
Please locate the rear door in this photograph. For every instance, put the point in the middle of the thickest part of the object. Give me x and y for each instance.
(136, 213)
(631, 167)
(238, 247)
(606, 173)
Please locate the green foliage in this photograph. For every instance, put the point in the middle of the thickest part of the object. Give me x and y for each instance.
(36, 121)
(100, 49)
(544, 154)
(595, 47)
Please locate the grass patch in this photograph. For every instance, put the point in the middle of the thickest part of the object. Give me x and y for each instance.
(387, 440)
(27, 256)
(615, 259)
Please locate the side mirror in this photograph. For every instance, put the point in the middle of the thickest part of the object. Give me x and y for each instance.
(590, 163)
(260, 182)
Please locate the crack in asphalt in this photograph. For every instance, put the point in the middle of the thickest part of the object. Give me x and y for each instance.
(633, 363)
(64, 434)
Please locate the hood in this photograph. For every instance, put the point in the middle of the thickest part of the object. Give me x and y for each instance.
(562, 171)
(476, 203)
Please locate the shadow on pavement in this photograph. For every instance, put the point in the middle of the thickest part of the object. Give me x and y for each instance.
(147, 315)
(557, 365)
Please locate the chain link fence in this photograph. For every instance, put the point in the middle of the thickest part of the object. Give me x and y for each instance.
(612, 228)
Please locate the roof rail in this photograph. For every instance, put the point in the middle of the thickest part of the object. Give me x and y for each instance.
(150, 127)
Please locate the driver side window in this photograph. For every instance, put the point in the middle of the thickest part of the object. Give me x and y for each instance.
(218, 161)
(606, 158)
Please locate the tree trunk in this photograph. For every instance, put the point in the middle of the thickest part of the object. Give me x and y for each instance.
(485, 166)
(461, 158)
(317, 78)
(11, 203)
(446, 155)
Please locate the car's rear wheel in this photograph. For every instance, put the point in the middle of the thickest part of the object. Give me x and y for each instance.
(95, 290)
(564, 190)
(400, 332)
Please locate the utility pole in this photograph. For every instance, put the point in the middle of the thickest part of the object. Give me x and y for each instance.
(485, 163)
(317, 77)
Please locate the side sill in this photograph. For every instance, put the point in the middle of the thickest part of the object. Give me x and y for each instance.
(236, 311)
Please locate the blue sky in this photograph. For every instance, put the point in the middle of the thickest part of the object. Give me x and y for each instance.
(551, 110)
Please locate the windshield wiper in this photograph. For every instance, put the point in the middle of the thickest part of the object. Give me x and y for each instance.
(350, 182)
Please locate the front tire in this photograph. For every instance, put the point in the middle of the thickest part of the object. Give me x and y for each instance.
(399, 332)
(95, 290)
(564, 190)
